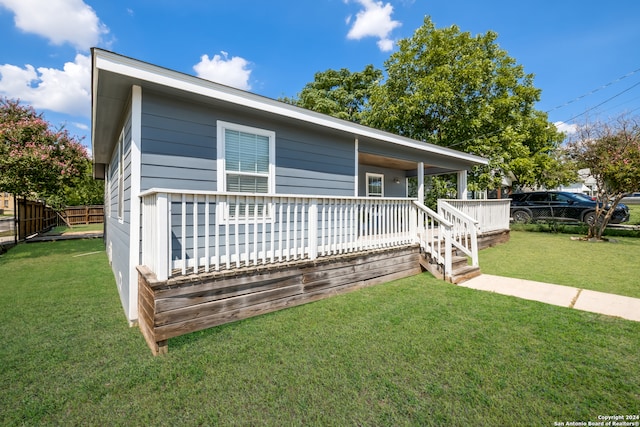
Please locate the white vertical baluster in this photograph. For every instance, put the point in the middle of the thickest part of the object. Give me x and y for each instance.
(295, 229)
(217, 223)
(237, 230)
(288, 226)
(313, 229)
(183, 240)
(195, 234)
(207, 232)
(255, 232)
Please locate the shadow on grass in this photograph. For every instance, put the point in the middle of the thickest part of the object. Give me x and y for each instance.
(572, 228)
(59, 249)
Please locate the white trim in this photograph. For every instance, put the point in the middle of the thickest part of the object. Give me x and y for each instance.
(462, 185)
(108, 61)
(374, 175)
(134, 220)
(421, 182)
(356, 168)
(120, 185)
(221, 165)
(156, 190)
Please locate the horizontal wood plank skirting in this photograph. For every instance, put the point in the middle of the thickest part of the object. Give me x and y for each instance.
(185, 304)
(492, 238)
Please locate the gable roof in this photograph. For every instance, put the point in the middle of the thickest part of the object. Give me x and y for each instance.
(114, 74)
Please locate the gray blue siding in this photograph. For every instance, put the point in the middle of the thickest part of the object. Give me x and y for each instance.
(179, 150)
(118, 235)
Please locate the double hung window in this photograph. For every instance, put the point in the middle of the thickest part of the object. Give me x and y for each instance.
(246, 165)
(375, 185)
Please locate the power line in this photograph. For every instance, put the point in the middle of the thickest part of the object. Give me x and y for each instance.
(594, 90)
(490, 134)
(603, 102)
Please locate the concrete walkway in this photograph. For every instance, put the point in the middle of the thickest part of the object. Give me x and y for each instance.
(565, 296)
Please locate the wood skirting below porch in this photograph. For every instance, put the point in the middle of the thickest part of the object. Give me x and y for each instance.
(185, 304)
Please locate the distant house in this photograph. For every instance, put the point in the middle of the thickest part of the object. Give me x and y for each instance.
(6, 203)
(586, 184)
(202, 178)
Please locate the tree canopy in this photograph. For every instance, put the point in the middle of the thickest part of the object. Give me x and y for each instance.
(451, 88)
(35, 160)
(339, 93)
(611, 152)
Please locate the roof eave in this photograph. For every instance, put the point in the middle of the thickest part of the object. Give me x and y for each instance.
(142, 71)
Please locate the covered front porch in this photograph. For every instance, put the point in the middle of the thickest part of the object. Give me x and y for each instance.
(209, 258)
(198, 232)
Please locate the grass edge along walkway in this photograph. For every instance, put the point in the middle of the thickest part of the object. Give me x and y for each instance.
(415, 351)
(609, 267)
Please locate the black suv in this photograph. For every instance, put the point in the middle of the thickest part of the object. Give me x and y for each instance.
(559, 206)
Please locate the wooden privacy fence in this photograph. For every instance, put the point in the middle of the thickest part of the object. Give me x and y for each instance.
(34, 217)
(80, 215)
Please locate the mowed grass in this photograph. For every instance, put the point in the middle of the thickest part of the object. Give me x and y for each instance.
(415, 351)
(612, 266)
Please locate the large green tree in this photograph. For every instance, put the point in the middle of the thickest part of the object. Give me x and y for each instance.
(450, 88)
(611, 152)
(35, 160)
(454, 89)
(339, 93)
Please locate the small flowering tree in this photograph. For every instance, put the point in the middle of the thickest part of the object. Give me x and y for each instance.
(611, 151)
(36, 161)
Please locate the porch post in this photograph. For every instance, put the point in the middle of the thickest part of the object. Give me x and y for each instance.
(357, 172)
(462, 185)
(161, 227)
(421, 182)
(313, 229)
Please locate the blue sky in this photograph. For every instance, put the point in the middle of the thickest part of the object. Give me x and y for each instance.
(585, 54)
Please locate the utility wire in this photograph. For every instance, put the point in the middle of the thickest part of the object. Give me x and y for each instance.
(603, 102)
(487, 135)
(594, 91)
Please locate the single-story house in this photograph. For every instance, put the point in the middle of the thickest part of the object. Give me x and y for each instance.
(205, 180)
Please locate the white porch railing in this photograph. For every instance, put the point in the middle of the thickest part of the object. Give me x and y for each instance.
(464, 230)
(434, 233)
(191, 232)
(491, 214)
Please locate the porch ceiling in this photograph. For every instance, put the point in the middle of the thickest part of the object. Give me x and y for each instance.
(408, 166)
(387, 162)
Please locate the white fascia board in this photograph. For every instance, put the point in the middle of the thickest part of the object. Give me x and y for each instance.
(115, 63)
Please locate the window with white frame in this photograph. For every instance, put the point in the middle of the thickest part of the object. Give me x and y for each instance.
(246, 165)
(375, 185)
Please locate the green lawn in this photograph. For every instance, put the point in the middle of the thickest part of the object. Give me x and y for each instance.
(634, 214)
(411, 352)
(612, 266)
(63, 229)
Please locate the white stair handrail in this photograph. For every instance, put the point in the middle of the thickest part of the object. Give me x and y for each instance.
(465, 230)
(435, 235)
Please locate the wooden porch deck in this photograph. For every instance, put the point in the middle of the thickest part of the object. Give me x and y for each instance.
(204, 264)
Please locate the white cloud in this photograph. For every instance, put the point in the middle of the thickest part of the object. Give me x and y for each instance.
(374, 21)
(60, 21)
(232, 71)
(65, 91)
(566, 128)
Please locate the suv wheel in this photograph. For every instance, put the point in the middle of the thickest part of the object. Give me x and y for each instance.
(589, 218)
(521, 216)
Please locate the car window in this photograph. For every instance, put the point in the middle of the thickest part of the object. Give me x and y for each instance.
(583, 197)
(556, 197)
(538, 197)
